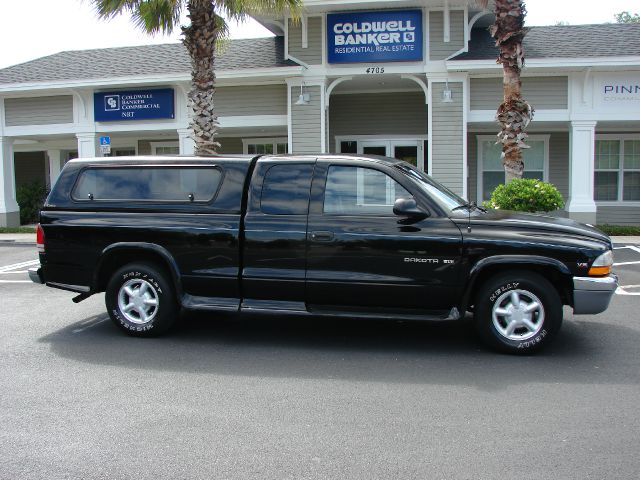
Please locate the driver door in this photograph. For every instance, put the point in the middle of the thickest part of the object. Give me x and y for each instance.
(360, 254)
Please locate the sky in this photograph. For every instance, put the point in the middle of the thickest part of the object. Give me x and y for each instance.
(57, 25)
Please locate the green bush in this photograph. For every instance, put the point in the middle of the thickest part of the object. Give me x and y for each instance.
(31, 197)
(526, 195)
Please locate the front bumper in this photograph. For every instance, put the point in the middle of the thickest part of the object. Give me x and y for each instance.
(592, 294)
(35, 274)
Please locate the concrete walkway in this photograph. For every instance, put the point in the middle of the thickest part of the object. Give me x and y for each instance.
(30, 238)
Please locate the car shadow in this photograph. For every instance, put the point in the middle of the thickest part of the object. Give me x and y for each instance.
(354, 350)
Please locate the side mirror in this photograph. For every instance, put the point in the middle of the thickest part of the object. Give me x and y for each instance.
(407, 207)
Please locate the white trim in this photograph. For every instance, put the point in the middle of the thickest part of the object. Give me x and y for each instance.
(323, 31)
(559, 63)
(389, 142)
(430, 127)
(492, 138)
(289, 119)
(304, 31)
(465, 109)
(333, 85)
(263, 141)
(446, 29)
(421, 83)
(323, 119)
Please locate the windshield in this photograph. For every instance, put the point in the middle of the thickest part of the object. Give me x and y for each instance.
(438, 192)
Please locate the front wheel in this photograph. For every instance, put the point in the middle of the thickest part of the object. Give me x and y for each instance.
(140, 300)
(518, 312)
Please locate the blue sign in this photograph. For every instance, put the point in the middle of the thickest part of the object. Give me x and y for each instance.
(104, 141)
(365, 37)
(134, 105)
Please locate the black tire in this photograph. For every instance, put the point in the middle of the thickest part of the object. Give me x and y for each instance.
(146, 283)
(512, 330)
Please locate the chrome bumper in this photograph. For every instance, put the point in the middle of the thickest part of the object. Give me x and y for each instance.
(35, 274)
(592, 294)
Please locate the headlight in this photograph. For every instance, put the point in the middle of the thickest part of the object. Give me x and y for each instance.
(602, 265)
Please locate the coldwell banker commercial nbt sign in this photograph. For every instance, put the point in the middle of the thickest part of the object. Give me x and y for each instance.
(364, 37)
(134, 105)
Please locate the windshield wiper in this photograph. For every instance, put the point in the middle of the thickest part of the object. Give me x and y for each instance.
(471, 206)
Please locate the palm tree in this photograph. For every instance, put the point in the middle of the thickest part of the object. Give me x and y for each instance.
(514, 113)
(207, 28)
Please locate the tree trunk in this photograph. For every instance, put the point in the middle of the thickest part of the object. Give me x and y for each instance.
(200, 40)
(514, 114)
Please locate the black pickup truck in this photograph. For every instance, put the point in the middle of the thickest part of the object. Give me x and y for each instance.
(349, 235)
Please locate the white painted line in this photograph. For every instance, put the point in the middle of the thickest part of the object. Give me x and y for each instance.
(622, 291)
(630, 247)
(16, 281)
(7, 268)
(626, 263)
(15, 271)
(630, 286)
(78, 330)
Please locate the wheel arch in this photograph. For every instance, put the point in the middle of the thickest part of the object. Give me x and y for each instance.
(120, 254)
(557, 272)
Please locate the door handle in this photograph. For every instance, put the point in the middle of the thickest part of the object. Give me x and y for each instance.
(322, 236)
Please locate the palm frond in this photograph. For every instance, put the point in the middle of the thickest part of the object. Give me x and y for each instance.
(152, 16)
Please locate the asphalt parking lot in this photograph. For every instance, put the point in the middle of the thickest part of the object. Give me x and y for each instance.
(271, 398)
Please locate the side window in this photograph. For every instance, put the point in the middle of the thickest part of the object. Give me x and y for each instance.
(285, 190)
(357, 190)
(148, 184)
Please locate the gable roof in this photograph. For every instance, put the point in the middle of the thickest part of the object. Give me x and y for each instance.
(143, 60)
(563, 41)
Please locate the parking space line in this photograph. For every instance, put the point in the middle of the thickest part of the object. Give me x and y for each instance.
(16, 281)
(14, 271)
(626, 263)
(630, 247)
(7, 268)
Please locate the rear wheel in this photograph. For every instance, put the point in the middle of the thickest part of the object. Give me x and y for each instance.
(518, 312)
(140, 300)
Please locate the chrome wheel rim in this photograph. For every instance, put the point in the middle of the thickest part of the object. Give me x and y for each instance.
(518, 315)
(138, 301)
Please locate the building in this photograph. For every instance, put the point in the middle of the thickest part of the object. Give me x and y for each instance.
(412, 79)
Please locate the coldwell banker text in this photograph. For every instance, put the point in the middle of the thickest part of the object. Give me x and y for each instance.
(375, 36)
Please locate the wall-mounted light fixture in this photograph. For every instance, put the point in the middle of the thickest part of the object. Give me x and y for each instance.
(447, 95)
(304, 97)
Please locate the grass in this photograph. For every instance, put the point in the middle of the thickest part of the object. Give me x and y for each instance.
(18, 230)
(620, 230)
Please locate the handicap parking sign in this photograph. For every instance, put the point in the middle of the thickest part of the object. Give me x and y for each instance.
(104, 141)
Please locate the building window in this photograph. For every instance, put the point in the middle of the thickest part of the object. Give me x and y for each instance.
(617, 169)
(165, 148)
(265, 146)
(490, 168)
(123, 152)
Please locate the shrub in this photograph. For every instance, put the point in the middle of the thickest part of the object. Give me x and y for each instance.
(31, 197)
(526, 195)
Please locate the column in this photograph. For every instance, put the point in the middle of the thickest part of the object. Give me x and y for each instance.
(448, 134)
(9, 209)
(55, 157)
(307, 116)
(86, 144)
(581, 206)
(185, 141)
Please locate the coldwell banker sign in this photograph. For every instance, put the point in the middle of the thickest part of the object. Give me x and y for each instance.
(365, 37)
(134, 105)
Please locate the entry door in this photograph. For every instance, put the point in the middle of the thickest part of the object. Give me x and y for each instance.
(410, 151)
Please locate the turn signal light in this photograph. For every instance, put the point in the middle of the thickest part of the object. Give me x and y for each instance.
(602, 265)
(599, 271)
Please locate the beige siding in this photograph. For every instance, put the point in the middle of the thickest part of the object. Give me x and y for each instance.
(446, 140)
(438, 48)
(251, 100)
(313, 53)
(230, 145)
(559, 162)
(618, 215)
(306, 121)
(38, 110)
(30, 167)
(377, 114)
(541, 92)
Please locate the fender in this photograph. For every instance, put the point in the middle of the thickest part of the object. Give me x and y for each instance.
(507, 260)
(144, 246)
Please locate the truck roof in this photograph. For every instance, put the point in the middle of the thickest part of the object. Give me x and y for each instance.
(190, 159)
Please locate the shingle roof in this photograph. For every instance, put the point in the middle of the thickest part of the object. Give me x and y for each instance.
(564, 41)
(143, 60)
